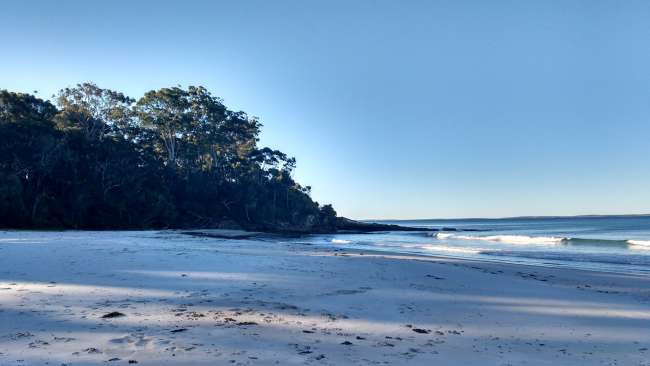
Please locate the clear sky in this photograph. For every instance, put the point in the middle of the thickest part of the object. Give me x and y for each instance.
(394, 109)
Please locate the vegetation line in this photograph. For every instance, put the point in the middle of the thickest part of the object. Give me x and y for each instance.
(175, 158)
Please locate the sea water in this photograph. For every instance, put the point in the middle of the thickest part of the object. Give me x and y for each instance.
(606, 243)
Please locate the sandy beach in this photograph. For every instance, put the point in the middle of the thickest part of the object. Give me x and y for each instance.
(166, 298)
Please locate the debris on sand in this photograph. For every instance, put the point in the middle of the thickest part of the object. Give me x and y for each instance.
(421, 331)
(246, 323)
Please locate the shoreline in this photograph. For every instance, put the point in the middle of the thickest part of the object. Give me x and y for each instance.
(239, 234)
(435, 257)
(236, 234)
(247, 301)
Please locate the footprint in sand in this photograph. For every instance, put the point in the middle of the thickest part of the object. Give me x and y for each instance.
(132, 341)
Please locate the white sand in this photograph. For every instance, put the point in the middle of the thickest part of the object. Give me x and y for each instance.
(259, 302)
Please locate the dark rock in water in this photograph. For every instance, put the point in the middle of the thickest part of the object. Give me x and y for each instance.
(309, 225)
(421, 331)
(179, 330)
(434, 277)
(113, 314)
(346, 343)
(351, 226)
(133, 361)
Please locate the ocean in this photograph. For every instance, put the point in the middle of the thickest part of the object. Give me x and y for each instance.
(605, 243)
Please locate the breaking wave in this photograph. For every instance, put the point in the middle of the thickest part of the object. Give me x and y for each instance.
(639, 244)
(548, 240)
(448, 249)
(509, 239)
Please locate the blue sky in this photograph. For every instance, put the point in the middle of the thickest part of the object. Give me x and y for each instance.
(409, 109)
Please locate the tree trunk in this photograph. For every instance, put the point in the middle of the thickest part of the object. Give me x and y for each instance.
(37, 201)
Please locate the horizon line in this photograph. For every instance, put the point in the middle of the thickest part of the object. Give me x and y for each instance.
(517, 217)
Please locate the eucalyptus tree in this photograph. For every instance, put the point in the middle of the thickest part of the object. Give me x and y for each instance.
(30, 148)
(166, 112)
(95, 111)
(21, 107)
(175, 158)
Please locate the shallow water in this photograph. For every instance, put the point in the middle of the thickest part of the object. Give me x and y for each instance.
(606, 243)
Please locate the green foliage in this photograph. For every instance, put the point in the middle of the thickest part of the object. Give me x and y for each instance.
(175, 158)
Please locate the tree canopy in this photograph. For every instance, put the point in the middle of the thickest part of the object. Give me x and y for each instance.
(175, 158)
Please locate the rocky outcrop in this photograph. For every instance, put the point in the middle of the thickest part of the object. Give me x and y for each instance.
(345, 225)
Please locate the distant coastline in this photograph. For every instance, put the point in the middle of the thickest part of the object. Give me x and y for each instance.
(528, 217)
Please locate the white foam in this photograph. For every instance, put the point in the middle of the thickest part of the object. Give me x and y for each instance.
(448, 249)
(639, 244)
(340, 241)
(443, 235)
(509, 239)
